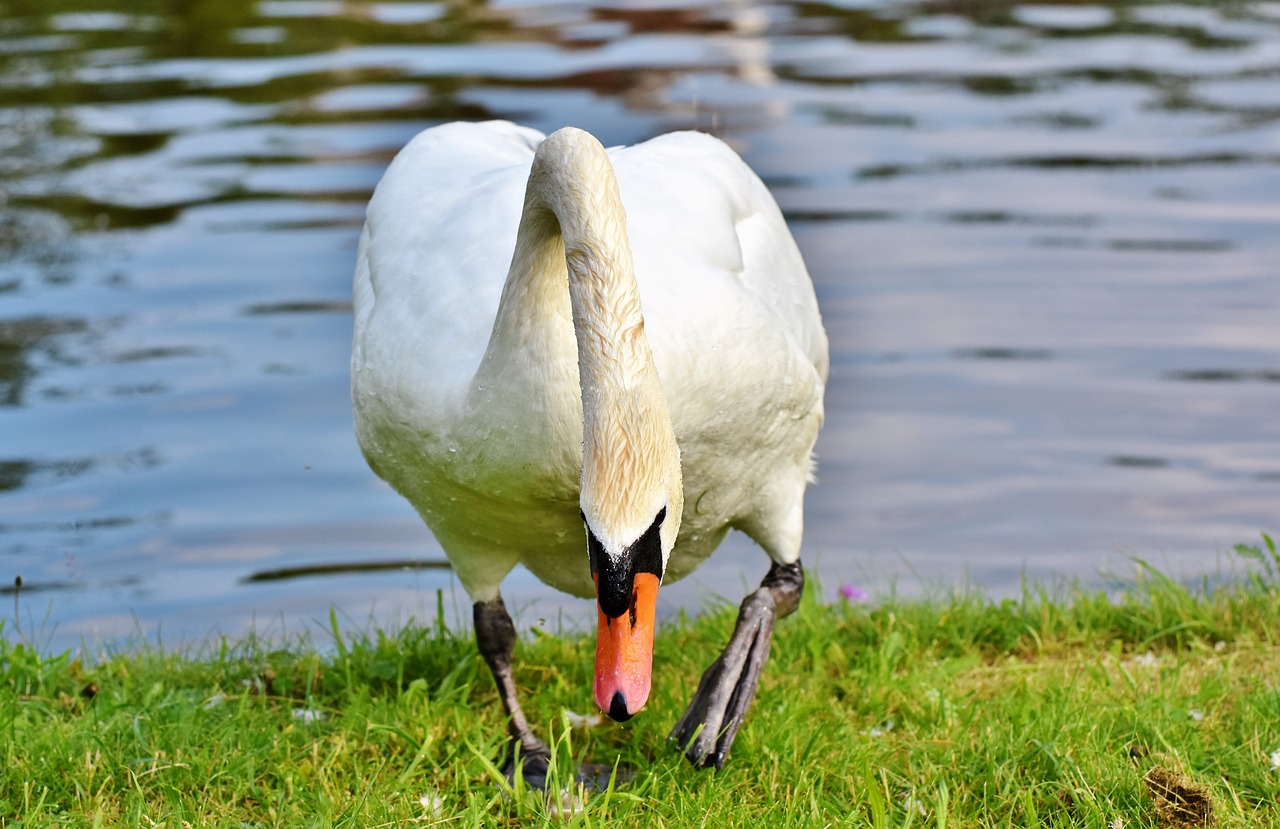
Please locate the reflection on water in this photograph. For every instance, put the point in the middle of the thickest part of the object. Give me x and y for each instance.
(1043, 235)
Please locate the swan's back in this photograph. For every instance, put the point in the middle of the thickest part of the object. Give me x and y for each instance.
(702, 226)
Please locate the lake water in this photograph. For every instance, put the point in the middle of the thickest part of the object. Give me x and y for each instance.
(1045, 238)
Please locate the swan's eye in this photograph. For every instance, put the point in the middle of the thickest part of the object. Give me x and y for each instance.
(651, 541)
(645, 553)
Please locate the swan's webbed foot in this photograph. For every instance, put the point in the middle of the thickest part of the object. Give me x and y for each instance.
(706, 731)
(534, 758)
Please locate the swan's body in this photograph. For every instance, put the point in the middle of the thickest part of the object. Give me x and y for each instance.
(472, 368)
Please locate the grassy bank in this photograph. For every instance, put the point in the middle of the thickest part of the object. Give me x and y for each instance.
(1157, 708)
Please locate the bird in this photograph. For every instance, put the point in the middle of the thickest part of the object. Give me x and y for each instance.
(594, 363)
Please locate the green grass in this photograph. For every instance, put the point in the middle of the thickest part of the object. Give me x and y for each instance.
(955, 712)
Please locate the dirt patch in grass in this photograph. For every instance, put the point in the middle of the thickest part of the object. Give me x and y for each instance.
(1181, 803)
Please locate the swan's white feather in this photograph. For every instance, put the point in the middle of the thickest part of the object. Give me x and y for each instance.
(729, 311)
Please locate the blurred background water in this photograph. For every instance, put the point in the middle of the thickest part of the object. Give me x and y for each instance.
(1045, 238)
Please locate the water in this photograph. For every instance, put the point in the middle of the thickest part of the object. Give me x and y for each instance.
(1046, 241)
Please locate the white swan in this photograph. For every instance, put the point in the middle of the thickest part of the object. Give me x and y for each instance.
(649, 362)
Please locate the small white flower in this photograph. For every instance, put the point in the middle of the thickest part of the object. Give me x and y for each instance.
(576, 720)
(1118, 823)
(1219, 646)
(913, 804)
(1196, 714)
(879, 730)
(1275, 759)
(433, 804)
(568, 804)
(1146, 660)
(308, 715)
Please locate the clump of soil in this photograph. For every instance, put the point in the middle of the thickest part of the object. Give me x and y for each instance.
(1181, 803)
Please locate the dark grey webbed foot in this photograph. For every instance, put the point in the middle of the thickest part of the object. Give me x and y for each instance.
(535, 766)
(533, 759)
(706, 731)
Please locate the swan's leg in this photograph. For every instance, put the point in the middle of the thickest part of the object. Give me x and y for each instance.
(496, 637)
(707, 729)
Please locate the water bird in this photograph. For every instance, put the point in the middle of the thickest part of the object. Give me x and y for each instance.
(594, 363)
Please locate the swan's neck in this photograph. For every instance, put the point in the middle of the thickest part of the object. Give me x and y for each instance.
(574, 230)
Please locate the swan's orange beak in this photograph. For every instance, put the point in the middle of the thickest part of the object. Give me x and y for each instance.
(624, 652)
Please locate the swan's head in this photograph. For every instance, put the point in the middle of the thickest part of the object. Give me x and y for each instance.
(632, 500)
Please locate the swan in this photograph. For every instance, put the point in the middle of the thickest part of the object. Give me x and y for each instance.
(594, 363)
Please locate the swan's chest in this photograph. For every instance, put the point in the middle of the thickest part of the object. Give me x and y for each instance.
(492, 467)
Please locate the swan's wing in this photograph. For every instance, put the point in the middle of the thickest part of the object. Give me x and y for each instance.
(695, 209)
(435, 250)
